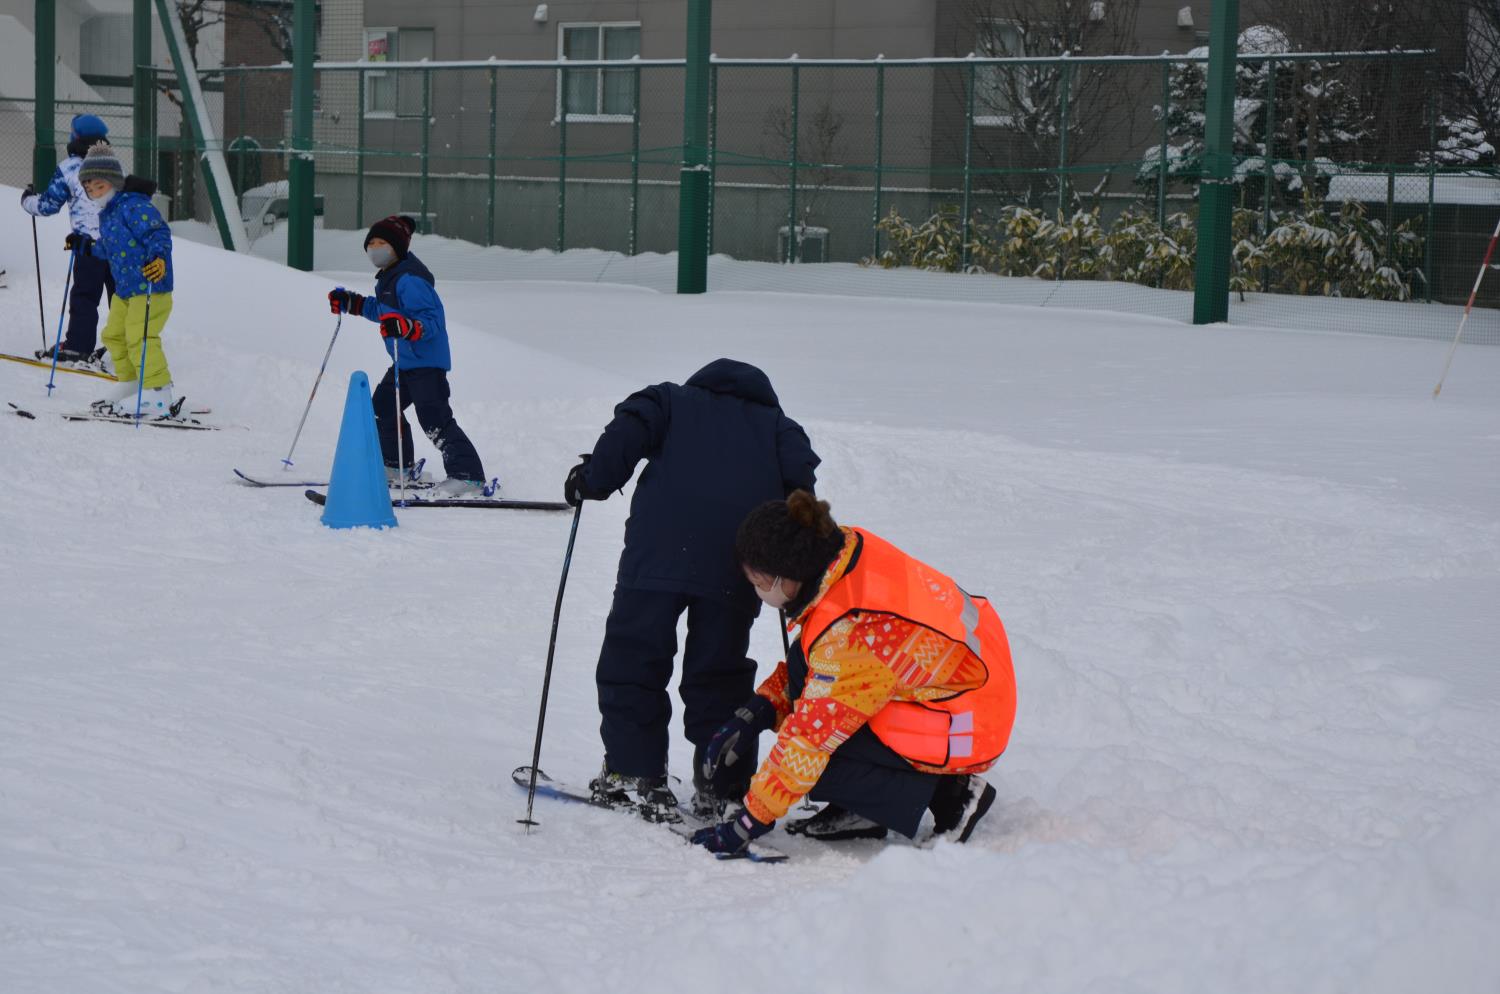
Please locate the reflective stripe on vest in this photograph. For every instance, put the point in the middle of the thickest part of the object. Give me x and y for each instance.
(960, 734)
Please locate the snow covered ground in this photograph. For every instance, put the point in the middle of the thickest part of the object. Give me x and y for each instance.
(1246, 575)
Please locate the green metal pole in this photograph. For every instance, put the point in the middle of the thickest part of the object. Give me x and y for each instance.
(791, 209)
(1215, 199)
(1161, 152)
(879, 159)
(713, 151)
(489, 224)
(142, 92)
(299, 235)
(1062, 140)
(692, 215)
(635, 159)
(968, 158)
(1270, 153)
(1431, 177)
(44, 151)
(426, 143)
(239, 85)
(359, 158)
(562, 165)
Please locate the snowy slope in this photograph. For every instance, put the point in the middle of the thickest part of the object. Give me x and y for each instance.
(1246, 575)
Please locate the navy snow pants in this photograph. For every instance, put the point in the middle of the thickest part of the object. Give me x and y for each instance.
(91, 275)
(866, 776)
(635, 669)
(426, 389)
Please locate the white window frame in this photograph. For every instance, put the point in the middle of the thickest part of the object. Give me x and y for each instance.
(562, 30)
(982, 120)
(372, 30)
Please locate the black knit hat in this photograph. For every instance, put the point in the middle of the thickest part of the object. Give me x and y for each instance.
(396, 230)
(794, 538)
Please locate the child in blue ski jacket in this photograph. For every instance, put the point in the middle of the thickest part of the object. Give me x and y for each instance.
(137, 244)
(91, 275)
(410, 314)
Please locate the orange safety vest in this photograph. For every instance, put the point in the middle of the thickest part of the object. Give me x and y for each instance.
(964, 733)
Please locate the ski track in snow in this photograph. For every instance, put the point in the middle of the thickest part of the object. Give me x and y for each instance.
(1246, 577)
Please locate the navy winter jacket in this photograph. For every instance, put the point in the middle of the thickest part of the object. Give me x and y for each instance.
(408, 288)
(716, 447)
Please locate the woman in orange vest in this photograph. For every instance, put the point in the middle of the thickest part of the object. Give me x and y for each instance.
(896, 695)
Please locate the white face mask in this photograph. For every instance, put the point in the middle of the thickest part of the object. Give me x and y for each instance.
(101, 201)
(381, 256)
(775, 597)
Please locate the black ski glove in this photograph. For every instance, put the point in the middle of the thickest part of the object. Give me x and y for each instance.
(733, 836)
(346, 301)
(576, 487)
(78, 242)
(736, 740)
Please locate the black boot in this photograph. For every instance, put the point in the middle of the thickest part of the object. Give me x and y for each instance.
(836, 824)
(958, 804)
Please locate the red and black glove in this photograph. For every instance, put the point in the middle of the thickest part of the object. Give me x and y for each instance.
(346, 301)
(394, 325)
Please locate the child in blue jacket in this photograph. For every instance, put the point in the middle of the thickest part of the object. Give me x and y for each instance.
(91, 274)
(410, 314)
(137, 244)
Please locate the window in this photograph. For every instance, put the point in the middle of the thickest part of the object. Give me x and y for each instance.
(999, 90)
(397, 93)
(596, 94)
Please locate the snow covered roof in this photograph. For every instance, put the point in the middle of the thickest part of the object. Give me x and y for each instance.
(1476, 191)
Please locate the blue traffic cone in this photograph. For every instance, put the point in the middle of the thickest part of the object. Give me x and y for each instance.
(357, 493)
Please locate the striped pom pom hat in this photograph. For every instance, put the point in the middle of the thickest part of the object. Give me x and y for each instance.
(102, 163)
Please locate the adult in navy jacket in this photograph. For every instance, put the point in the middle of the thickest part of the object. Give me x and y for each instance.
(716, 447)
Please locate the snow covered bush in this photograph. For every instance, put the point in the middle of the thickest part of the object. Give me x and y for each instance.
(1341, 254)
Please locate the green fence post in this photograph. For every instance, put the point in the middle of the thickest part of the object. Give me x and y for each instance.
(791, 212)
(1269, 153)
(1431, 177)
(44, 152)
(489, 224)
(968, 157)
(300, 178)
(713, 150)
(879, 158)
(359, 158)
(142, 89)
(1062, 140)
(239, 159)
(426, 142)
(635, 159)
(562, 162)
(1161, 152)
(1215, 198)
(692, 209)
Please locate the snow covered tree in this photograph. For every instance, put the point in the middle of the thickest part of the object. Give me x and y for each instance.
(1462, 143)
(1318, 120)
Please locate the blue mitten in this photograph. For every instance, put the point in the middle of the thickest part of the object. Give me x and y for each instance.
(731, 837)
(736, 740)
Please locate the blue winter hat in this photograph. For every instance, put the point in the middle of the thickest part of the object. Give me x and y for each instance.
(88, 126)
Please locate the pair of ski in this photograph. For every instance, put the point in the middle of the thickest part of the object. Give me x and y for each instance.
(414, 496)
(175, 420)
(93, 368)
(688, 823)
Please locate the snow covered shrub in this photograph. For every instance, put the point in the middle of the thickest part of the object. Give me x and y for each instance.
(936, 244)
(1138, 250)
(1340, 255)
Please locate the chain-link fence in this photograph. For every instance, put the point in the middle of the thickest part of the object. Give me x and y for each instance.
(1060, 180)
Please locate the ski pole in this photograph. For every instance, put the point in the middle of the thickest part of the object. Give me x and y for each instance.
(57, 345)
(36, 252)
(400, 443)
(303, 423)
(140, 383)
(541, 718)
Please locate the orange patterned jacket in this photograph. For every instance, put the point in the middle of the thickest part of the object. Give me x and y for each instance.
(852, 673)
